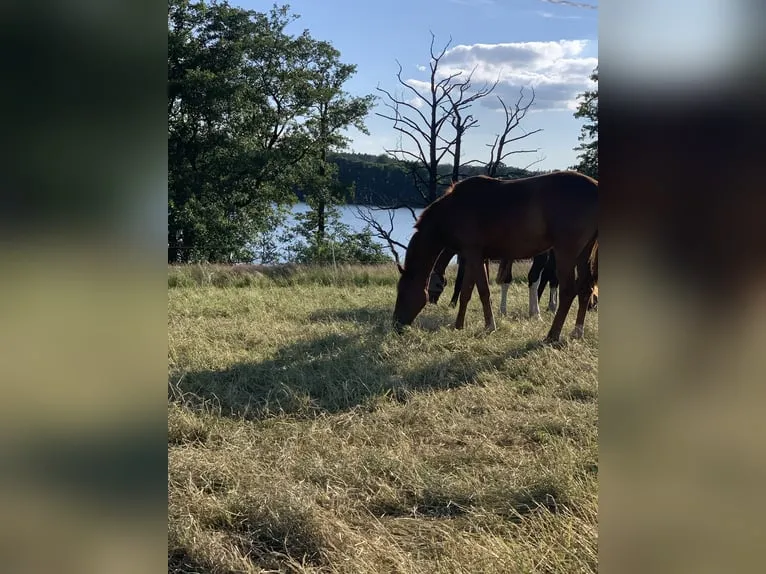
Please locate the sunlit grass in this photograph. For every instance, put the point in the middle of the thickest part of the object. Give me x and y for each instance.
(305, 436)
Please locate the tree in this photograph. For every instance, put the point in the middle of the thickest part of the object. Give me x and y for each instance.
(425, 120)
(234, 95)
(443, 101)
(332, 110)
(251, 111)
(588, 109)
(513, 117)
(462, 123)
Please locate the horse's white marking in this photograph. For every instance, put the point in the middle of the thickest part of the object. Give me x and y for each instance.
(504, 298)
(578, 332)
(553, 302)
(534, 307)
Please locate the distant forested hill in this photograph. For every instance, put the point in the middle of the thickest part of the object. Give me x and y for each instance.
(380, 180)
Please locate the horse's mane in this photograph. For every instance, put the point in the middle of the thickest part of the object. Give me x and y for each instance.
(433, 207)
(436, 205)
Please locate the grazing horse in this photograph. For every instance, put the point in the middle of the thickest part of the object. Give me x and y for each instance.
(485, 218)
(541, 273)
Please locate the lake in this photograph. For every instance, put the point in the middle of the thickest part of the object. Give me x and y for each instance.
(402, 223)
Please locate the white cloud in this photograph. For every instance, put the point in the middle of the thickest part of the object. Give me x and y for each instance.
(572, 4)
(556, 16)
(556, 69)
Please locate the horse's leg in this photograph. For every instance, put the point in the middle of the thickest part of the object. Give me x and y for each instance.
(482, 286)
(533, 281)
(503, 299)
(504, 275)
(568, 291)
(466, 289)
(458, 280)
(583, 295)
(553, 301)
(585, 286)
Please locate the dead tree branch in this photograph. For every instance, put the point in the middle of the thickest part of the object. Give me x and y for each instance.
(439, 103)
(513, 118)
(381, 232)
(538, 160)
(462, 123)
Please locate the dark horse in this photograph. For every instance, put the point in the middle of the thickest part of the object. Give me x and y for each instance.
(541, 273)
(484, 218)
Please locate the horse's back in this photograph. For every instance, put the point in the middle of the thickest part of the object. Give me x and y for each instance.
(521, 199)
(527, 213)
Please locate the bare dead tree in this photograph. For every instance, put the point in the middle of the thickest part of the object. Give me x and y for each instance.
(513, 118)
(424, 121)
(462, 123)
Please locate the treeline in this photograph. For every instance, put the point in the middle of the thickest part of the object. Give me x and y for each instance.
(381, 180)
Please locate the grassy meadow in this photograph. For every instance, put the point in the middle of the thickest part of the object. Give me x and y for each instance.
(304, 435)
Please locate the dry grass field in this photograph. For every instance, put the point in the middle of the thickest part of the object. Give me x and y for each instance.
(304, 435)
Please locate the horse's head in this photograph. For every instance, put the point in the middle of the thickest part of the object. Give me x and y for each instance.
(436, 284)
(411, 297)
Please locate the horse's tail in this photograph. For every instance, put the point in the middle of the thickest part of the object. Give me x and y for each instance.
(593, 260)
(587, 265)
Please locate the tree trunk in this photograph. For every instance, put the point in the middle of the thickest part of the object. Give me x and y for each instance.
(172, 246)
(320, 220)
(321, 204)
(456, 162)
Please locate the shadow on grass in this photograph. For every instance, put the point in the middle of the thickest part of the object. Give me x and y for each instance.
(181, 562)
(380, 317)
(513, 504)
(329, 374)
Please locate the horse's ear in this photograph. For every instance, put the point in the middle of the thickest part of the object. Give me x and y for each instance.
(401, 269)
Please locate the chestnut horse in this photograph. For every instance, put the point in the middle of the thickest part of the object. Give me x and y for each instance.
(485, 218)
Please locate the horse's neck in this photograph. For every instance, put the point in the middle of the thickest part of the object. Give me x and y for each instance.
(442, 261)
(421, 255)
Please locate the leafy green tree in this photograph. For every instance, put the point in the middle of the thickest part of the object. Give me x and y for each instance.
(588, 109)
(243, 96)
(331, 111)
(340, 245)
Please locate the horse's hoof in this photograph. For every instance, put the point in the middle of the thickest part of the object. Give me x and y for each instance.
(551, 342)
(491, 327)
(578, 332)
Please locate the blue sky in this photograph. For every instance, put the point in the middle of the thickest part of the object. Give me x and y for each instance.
(551, 44)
